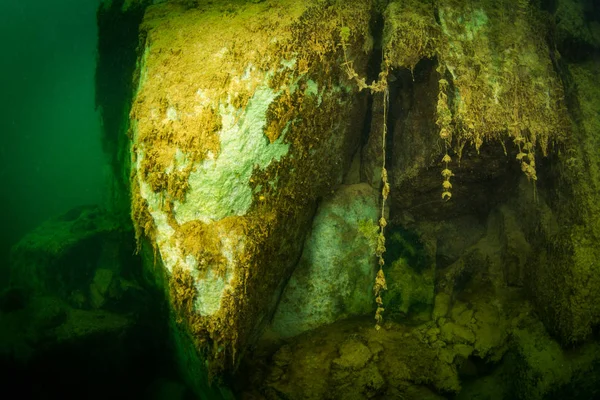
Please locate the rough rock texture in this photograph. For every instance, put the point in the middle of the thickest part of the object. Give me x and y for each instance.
(500, 256)
(460, 90)
(349, 359)
(462, 108)
(74, 265)
(566, 278)
(335, 273)
(408, 289)
(371, 152)
(43, 323)
(506, 251)
(483, 340)
(536, 367)
(577, 28)
(62, 255)
(76, 296)
(242, 119)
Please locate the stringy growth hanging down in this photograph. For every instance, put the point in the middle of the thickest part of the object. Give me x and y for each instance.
(381, 86)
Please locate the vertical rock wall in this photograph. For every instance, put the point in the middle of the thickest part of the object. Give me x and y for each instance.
(505, 101)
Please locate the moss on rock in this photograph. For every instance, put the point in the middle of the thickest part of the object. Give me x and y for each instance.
(239, 124)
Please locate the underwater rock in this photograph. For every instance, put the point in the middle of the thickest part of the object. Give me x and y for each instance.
(353, 355)
(243, 118)
(408, 289)
(577, 28)
(48, 323)
(349, 359)
(454, 236)
(76, 285)
(543, 369)
(410, 276)
(372, 151)
(441, 305)
(516, 250)
(499, 258)
(564, 275)
(43, 314)
(60, 256)
(463, 94)
(335, 275)
(84, 324)
(99, 287)
(458, 75)
(455, 333)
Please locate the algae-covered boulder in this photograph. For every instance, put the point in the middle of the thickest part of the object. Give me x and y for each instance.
(243, 118)
(336, 271)
(545, 370)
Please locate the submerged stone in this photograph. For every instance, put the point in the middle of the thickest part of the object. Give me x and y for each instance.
(337, 268)
(240, 122)
(59, 256)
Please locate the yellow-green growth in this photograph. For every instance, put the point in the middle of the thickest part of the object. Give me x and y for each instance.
(443, 121)
(190, 104)
(381, 85)
(490, 88)
(499, 91)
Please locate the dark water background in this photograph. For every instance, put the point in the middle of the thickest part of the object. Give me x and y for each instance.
(50, 154)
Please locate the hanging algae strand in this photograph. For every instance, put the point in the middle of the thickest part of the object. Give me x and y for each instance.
(380, 284)
(375, 87)
(444, 118)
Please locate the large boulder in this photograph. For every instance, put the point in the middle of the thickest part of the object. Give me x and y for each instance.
(243, 118)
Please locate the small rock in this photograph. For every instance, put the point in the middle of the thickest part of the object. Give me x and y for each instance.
(353, 354)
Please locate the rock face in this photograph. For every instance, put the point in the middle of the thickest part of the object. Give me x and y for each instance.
(483, 339)
(242, 119)
(61, 256)
(461, 90)
(510, 132)
(76, 295)
(337, 268)
(565, 279)
(577, 28)
(465, 118)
